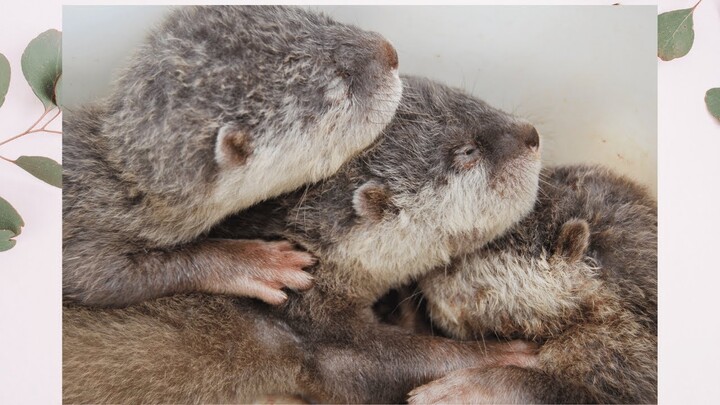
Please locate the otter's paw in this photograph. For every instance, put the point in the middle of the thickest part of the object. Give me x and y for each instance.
(260, 269)
(472, 386)
(278, 265)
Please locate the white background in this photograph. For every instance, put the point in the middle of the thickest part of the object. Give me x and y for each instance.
(30, 276)
(688, 143)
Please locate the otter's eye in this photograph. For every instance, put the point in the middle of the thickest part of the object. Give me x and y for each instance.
(466, 157)
(467, 150)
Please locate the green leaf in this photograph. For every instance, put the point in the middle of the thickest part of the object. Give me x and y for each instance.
(58, 92)
(9, 218)
(712, 100)
(43, 168)
(675, 33)
(42, 65)
(4, 77)
(5, 242)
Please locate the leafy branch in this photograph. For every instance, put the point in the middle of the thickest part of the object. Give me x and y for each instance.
(41, 64)
(676, 36)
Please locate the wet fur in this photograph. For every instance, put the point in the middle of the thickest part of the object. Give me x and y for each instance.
(222, 107)
(326, 344)
(579, 275)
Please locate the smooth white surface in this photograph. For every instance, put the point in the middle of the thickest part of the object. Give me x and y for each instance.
(584, 75)
(30, 276)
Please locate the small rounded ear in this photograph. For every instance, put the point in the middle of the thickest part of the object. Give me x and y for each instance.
(233, 146)
(573, 240)
(372, 200)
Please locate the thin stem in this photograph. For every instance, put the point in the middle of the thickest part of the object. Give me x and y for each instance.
(14, 138)
(52, 119)
(34, 131)
(6, 159)
(30, 130)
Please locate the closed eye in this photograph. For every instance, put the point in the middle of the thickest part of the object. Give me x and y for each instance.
(466, 157)
(467, 150)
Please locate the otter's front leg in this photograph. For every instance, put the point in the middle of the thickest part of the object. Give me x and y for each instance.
(251, 268)
(181, 349)
(500, 385)
(383, 363)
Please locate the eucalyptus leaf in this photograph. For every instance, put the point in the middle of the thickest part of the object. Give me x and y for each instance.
(43, 168)
(712, 100)
(42, 65)
(10, 220)
(675, 33)
(4, 78)
(58, 92)
(5, 242)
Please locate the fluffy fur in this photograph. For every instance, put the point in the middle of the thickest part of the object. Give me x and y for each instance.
(445, 155)
(222, 107)
(577, 275)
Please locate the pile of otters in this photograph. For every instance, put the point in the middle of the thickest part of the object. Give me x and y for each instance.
(264, 210)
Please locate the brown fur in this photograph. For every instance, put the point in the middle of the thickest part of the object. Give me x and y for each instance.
(326, 344)
(578, 276)
(220, 108)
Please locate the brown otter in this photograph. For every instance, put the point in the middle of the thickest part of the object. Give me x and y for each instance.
(578, 275)
(222, 107)
(448, 173)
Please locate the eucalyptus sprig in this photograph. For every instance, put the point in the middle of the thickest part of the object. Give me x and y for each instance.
(676, 36)
(42, 67)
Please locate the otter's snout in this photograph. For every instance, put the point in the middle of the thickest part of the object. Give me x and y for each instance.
(367, 62)
(531, 138)
(514, 142)
(518, 140)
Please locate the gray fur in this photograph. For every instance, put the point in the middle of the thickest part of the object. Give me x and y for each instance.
(293, 95)
(578, 275)
(326, 344)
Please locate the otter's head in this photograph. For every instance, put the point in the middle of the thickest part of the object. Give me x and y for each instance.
(235, 104)
(449, 174)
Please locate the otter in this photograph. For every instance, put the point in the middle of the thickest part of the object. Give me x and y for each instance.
(578, 276)
(449, 172)
(222, 107)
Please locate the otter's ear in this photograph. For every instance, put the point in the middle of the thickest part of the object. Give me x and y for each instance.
(372, 200)
(232, 147)
(574, 240)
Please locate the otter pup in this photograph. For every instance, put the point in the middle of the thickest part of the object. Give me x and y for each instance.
(578, 275)
(222, 107)
(448, 173)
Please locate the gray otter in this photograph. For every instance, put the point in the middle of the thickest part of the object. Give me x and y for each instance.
(222, 107)
(578, 275)
(448, 173)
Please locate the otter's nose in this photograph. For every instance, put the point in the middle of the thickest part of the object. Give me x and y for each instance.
(531, 138)
(387, 55)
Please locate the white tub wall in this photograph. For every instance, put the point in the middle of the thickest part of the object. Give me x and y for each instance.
(584, 75)
(96, 42)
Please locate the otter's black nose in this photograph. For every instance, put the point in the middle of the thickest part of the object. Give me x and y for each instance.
(388, 55)
(531, 138)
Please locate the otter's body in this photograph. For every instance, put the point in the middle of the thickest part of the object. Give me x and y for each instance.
(444, 159)
(579, 275)
(222, 107)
